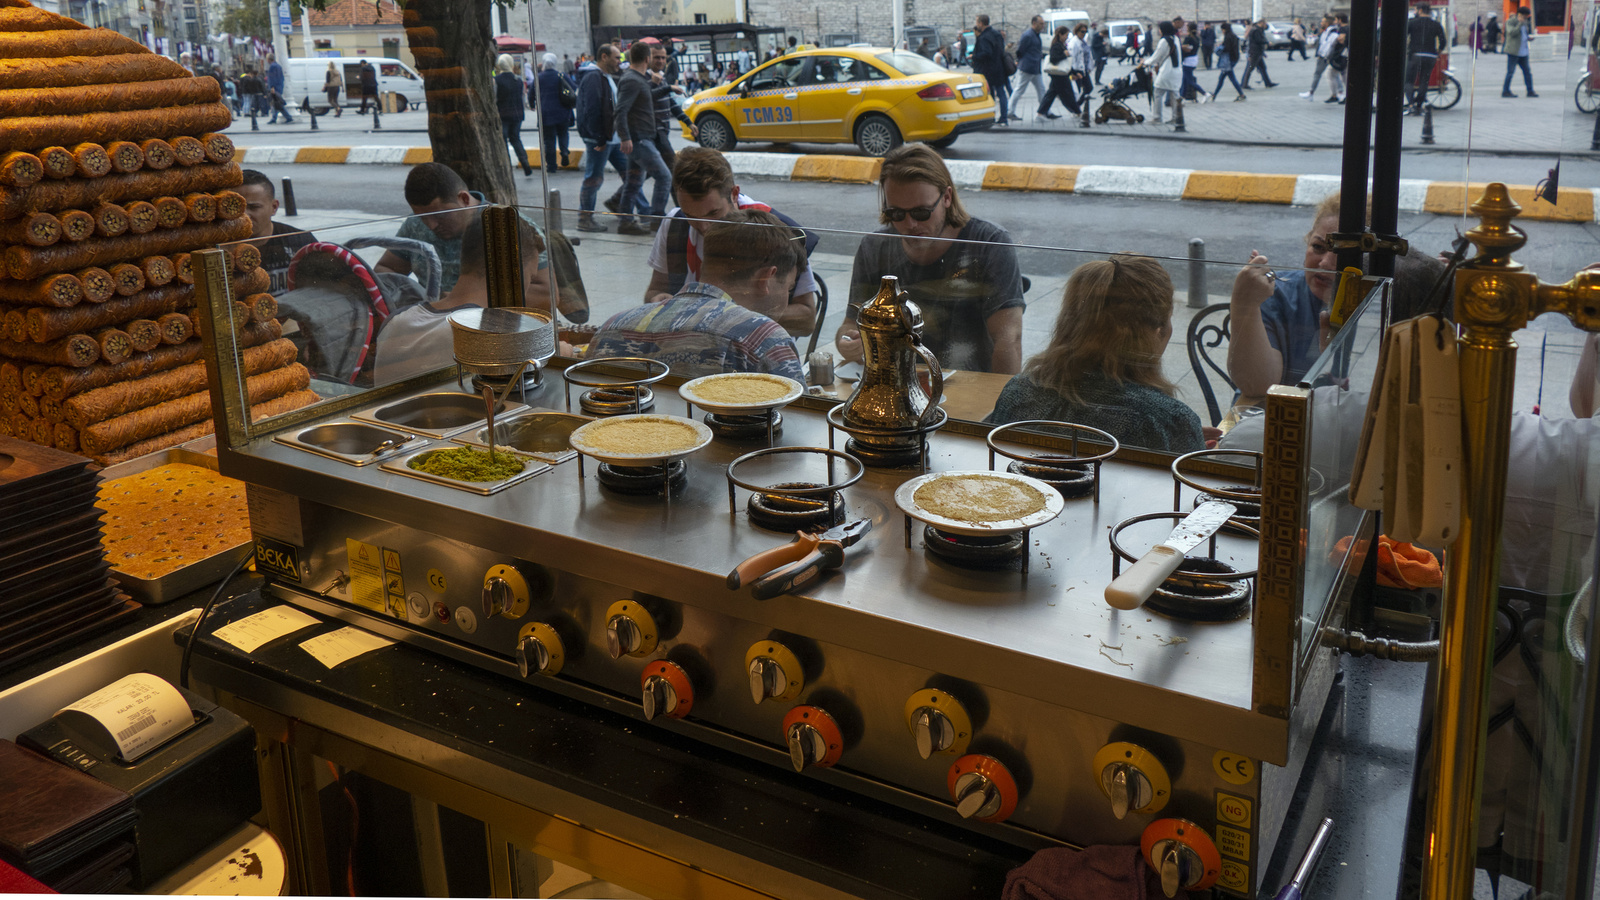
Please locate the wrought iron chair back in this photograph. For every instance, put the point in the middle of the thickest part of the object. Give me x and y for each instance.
(1208, 331)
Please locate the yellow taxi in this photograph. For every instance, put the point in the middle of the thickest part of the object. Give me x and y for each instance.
(874, 97)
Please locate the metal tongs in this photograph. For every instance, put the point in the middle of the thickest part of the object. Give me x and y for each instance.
(796, 564)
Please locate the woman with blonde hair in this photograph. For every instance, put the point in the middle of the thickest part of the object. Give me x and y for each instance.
(1103, 365)
(508, 97)
(333, 84)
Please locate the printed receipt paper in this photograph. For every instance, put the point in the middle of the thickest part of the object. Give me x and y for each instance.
(138, 713)
(252, 632)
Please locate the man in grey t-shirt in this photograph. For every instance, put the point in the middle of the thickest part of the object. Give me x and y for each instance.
(962, 272)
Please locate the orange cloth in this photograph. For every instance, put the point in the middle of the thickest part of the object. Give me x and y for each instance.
(1401, 565)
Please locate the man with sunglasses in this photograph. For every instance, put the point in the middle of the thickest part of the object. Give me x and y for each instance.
(962, 272)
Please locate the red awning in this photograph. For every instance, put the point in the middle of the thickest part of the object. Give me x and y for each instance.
(512, 44)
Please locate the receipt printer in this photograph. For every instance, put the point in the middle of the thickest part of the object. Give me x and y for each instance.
(193, 784)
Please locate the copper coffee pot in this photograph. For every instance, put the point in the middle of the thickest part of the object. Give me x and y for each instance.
(888, 412)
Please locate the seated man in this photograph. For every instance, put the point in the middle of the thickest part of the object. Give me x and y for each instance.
(702, 182)
(961, 271)
(419, 339)
(443, 208)
(1276, 320)
(723, 322)
(276, 241)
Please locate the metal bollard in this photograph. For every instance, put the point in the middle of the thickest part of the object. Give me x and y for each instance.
(1197, 273)
(1083, 106)
(313, 114)
(1177, 113)
(552, 203)
(1427, 123)
(377, 124)
(253, 125)
(1594, 139)
(288, 198)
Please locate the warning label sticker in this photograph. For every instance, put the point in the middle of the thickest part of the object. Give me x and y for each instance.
(366, 575)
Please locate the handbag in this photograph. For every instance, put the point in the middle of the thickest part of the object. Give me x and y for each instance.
(1057, 69)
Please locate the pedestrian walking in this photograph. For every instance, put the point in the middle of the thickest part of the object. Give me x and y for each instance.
(667, 108)
(367, 76)
(555, 97)
(1325, 41)
(1338, 59)
(1256, 54)
(1079, 61)
(1208, 43)
(250, 92)
(1168, 66)
(1030, 59)
(1100, 48)
(1297, 41)
(508, 99)
(597, 96)
(1189, 48)
(1424, 43)
(988, 60)
(333, 83)
(275, 87)
(1491, 33)
(1519, 34)
(635, 122)
(1227, 58)
(1060, 71)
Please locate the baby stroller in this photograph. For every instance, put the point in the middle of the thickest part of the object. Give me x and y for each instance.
(340, 304)
(1113, 97)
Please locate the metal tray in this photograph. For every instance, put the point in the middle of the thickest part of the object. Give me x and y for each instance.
(190, 578)
(352, 443)
(401, 465)
(539, 433)
(437, 414)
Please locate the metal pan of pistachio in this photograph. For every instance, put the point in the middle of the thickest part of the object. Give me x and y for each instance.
(465, 468)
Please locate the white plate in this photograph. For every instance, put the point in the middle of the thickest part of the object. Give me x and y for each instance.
(579, 439)
(904, 497)
(689, 391)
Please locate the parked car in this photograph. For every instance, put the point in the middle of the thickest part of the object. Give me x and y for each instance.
(1278, 35)
(1119, 29)
(874, 97)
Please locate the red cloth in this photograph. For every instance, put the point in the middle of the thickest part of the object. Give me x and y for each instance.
(1093, 873)
(14, 881)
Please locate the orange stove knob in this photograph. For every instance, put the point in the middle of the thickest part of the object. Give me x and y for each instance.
(813, 737)
(1182, 853)
(982, 788)
(666, 690)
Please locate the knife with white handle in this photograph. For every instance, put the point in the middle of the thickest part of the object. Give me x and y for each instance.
(1133, 587)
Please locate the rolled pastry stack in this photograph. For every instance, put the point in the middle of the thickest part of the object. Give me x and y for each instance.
(113, 171)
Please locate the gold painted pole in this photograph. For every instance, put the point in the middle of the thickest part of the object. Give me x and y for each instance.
(1492, 296)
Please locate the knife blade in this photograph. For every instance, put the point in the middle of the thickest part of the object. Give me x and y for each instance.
(1134, 586)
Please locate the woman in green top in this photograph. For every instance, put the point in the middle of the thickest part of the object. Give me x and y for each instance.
(1103, 365)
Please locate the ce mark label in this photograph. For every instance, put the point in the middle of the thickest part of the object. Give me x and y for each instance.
(1233, 768)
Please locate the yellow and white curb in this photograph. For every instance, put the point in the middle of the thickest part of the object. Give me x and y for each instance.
(1447, 198)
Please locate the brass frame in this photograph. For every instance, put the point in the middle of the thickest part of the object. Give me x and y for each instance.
(1494, 296)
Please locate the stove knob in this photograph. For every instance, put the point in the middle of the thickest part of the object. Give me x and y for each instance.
(813, 737)
(666, 690)
(505, 592)
(1182, 853)
(1132, 778)
(938, 722)
(630, 630)
(982, 788)
(539, 650)
(774, 672)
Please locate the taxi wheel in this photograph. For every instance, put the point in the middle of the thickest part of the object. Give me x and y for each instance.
(876, 136)
(943, 142)
(715, 133)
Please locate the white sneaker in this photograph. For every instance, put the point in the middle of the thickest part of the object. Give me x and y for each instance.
(1306, 94)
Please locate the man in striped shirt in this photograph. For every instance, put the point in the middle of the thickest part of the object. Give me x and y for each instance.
(722, 322)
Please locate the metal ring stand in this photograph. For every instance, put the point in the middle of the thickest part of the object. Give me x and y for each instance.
(1238, 595)
(770, 414)
(821, 492)
(836, 421)
(638, 408)
(1026, 533)
(1179, 480)
(1058, 462)
(665, 464)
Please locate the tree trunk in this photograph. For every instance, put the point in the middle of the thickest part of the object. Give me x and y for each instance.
(453, 46)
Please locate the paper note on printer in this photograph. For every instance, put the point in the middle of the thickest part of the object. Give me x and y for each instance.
(139, 712)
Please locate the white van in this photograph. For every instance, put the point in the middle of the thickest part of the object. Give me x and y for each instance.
(1057, 17)
(304, 78)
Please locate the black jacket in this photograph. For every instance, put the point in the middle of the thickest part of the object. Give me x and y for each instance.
(1256, 43)
(988, 55)
(595, 106)
(508, 96)
(1424, 35)
(635, 115)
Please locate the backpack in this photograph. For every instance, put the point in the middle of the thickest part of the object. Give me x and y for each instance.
(1009, 61)
(569, 95)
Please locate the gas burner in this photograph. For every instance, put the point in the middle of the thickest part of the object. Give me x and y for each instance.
(764, 426)
(532, 378)
(793, 512)
(1246, 498)
(1073, 475)
(978, 551)
(617, 401)
(643, 481)
(1249, 511)
(1204, 589)
(614, 396)
(1196, 592)
(886, 448)
(791, 506)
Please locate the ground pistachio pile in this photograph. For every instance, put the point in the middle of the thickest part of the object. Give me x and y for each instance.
(467, 464)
